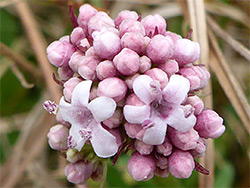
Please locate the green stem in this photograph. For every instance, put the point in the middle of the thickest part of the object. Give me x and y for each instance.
(105, 171)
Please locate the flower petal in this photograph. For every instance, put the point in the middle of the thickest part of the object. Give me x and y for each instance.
(176, 90)
(177, 119)
(103, 142)
(156, 134)
(75, 115)
(136, 114)
(80, 94)
(75, 133)
(102, 108)
(142, 89)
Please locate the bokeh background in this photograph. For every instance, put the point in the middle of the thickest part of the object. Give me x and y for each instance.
(27, 27)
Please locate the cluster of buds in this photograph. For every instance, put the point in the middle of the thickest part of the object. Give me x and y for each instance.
(128, 83)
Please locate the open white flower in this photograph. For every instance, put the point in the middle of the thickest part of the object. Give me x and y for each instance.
(85, 119)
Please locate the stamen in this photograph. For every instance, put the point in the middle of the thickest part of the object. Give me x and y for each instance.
(85, 134)
(155, 87)
(71, 142)
(50, 106)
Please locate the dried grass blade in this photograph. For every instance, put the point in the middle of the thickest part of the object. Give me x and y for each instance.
(229, 83)
(237, 46)
(198, 23)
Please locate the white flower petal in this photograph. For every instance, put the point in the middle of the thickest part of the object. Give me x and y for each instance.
(103, 142)
(102, 108)
(177, 120)
(75, 133)
(142, 89)
(156, 134)
(80, 94)
(176, 90)
(136, 114)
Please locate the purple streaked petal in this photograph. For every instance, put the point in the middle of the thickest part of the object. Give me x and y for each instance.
(102, 108)
(155, 135)
(136, 114)
(103, 142)
(176, 90)
(177, 119)
(80, 95)
(142, 88)
(75, 132)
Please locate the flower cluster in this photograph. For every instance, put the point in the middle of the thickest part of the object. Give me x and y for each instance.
(129, 83)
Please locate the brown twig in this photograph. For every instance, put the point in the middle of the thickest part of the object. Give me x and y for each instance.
(21, 62)
(237, 46)
(39, 47)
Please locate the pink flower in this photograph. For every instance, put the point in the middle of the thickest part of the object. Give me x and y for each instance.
(145, 64)
(85, 119)
(160, 49)
(69, 86)
(170, 67)
(134, 41)
(141, 167)
(65, 73)
(150, 23)
(57, 136)
(209, 124)
(106, 44)
(181, 164)
(165, 148)
(77, 35)
(123, 15)
(78, 172)
(131, 25)
(105, 69)
(142, 148)
(161, 107)
(87, 67)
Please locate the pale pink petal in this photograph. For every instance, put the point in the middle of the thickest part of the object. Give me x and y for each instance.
(80, 95)
(142, 89)
(102, 108)
(75, 133)
(155, 135)
(177, 120)
(136, 114)
(75, 115)
(103, 142)
(176, 90)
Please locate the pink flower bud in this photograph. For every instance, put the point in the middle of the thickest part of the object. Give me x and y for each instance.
(158, 75)
(162, 172)
(151, 22)
(69, 87)
(84, 43)
(186, 51)
(134, 41)
(200, 150)
(105, 69)
(133, 100)
(74, 61)
(99, 21)
(115, 120)
(181, 164)
(141, 167)
(198, 76)
(147, 40)
(124, 14)
(86, 12)
(77, 35)
(209, 124)
(106, 44)
(184, 141)
(78, 172)
(161, 161)
(50, 106)
(57, 136)
(59, 53)
(196, 102)
(127, 62)
(130, 80)
(91, 52)
(142, 148)
(134, 130)
(165, 148)
(170, 67)
(65, 73)
(145, 64)
(87, 67)
(65, 39)
(131, 25)
(173, 36)
(160, 49)
(117, 134)
(113, 87)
